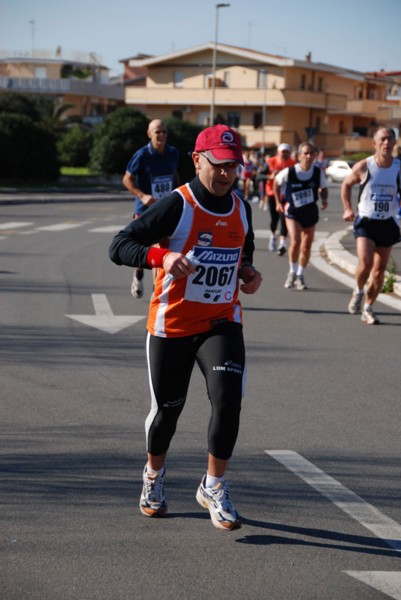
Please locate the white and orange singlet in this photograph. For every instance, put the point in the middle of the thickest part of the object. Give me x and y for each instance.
(194, 304)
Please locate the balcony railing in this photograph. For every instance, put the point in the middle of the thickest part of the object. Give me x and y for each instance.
(233, 97)
(363, 107)
(62, 87)
(389, 113)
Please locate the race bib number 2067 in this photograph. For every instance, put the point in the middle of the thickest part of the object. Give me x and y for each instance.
(215, 279)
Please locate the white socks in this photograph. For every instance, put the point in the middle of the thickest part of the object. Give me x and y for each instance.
(154, 473)
(212, 482)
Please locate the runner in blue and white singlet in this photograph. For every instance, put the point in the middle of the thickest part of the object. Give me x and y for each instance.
(375, 224)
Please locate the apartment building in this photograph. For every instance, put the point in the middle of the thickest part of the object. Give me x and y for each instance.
(269, 99)
(79, 79)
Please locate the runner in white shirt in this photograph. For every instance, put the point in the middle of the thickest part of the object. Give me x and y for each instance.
(375, 226)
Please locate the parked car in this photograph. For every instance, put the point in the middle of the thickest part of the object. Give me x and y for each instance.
(337, 170)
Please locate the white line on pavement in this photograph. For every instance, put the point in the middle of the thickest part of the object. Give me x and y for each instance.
(14, 225)
(352, 504)
(62, 226)
(388, 582)
(107, 229)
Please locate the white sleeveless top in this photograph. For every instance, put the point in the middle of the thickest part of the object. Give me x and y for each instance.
(379, 193)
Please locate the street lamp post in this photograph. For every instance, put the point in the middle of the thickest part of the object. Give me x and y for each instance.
(264, 80)
(216, 33)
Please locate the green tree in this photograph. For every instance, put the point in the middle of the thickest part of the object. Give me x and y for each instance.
(52, 115)
(121, 134)
(182, 135)
(74, 147)
(27, 150)
(19, 104)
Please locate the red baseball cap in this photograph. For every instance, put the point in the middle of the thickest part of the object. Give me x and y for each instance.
(220, 144)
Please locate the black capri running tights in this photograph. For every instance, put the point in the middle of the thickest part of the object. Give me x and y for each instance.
(220, 354)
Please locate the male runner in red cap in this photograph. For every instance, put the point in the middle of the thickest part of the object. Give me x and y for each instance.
(206, 246)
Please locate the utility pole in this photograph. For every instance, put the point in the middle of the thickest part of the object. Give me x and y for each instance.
(216, 35)
(263, 73)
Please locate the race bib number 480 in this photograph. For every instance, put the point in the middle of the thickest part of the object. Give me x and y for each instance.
(162, 186)
(215, 279)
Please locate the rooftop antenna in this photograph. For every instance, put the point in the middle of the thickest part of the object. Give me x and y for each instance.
(32, 23)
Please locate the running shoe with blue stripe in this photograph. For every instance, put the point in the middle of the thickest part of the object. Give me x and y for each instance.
(153, 502)
(218, 502)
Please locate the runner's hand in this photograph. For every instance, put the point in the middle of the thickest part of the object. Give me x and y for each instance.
(148, 199)
(348, 214)
(177, 265)
(251, 278)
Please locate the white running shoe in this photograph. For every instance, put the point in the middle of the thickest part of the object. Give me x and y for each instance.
(137, 284)
(300, 282)
(355, 305)
(218, 502)
(369, 317)
(153, 502)
(272, 243)
(290, 281)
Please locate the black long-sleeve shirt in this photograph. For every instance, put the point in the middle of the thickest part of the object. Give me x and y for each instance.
(131, 245)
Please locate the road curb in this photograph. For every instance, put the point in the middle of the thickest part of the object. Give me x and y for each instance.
(336, 254)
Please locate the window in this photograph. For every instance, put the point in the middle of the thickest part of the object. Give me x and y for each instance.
(262, 79)
(203, 118)
(320, 84)
(178, 78)
(226, 76)
(317, 124)
(257, 120)
(208, 81)
(233, 119)
(303, 82)
(40, 72)
(177, 114)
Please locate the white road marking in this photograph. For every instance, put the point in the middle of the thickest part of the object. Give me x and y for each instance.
(367, 515)
(104, 318)
(62, 226)
(108, 229)
(14, 225)
(388, 582)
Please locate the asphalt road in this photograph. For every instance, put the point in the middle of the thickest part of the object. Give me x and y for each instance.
(317, 465)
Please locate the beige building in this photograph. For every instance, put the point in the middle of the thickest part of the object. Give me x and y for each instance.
(269, 99)
(79, 80)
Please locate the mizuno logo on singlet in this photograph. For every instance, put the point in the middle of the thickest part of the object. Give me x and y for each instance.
(217, 257)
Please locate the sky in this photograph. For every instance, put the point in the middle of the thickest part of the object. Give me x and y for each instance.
(363, 35)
